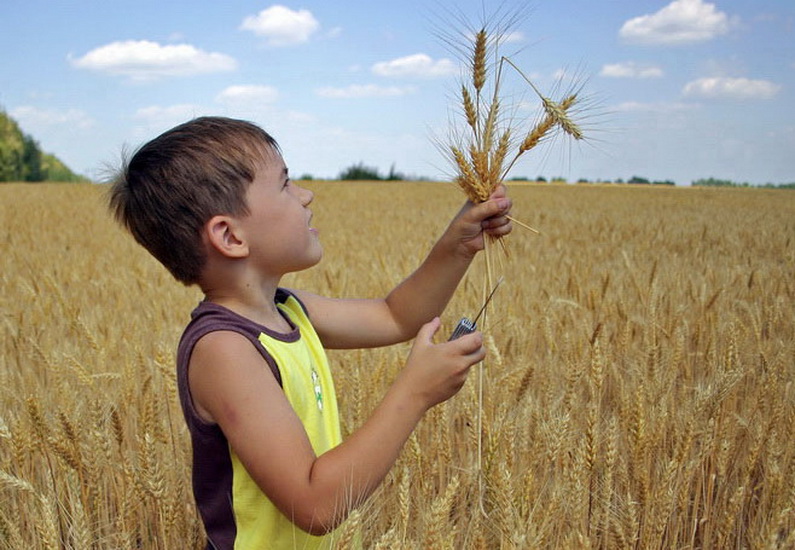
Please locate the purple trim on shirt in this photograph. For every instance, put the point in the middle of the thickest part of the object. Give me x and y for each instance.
(212, 463)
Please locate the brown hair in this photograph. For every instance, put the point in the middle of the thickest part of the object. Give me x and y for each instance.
(175, 183)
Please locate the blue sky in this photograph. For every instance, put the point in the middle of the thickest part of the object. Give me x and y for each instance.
(673, 90)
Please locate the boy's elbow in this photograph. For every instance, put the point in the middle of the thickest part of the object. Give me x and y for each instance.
(318, 523)
(317, 529)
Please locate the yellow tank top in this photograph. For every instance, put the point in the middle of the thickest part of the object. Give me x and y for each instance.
(307, 382)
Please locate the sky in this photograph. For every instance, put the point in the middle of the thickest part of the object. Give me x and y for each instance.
(667, 90)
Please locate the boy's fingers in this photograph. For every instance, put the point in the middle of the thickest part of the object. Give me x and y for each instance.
(500, 225)
(498, 206)
(428, 330)
(490, 209)
(469, 343)
(499, 191)
(495, 221)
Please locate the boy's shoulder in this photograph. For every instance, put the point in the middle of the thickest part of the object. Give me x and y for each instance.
(210, 317)
(207, 314)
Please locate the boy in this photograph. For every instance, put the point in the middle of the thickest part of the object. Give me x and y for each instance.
(212, 200)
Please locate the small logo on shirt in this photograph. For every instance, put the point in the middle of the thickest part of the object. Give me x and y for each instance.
(318, 389)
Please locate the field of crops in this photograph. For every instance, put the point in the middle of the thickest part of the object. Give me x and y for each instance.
(638, 392)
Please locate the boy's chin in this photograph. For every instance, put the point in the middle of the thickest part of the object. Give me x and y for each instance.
(316, 258)
(319, 258)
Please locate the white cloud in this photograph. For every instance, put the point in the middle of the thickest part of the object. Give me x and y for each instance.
(653, 107)
(731, 88)
(418, 64)
(561, 75)
(144, 60)
(158, 115)
(512, 37)
(282, 26)
(630, 69)
(680, 22)
(152, 120)
(336, 32)
(34, 117)
(356, 91)
(248, 95)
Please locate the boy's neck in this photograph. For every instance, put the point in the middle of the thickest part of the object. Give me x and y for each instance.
(256, 302)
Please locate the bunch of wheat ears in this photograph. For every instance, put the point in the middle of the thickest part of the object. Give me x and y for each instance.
(486, 150)
(487, 153)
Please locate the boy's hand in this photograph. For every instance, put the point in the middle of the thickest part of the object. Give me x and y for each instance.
(435, 372)
(474, 220)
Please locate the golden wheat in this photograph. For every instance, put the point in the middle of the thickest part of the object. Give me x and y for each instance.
(487, 166)
(638, 390)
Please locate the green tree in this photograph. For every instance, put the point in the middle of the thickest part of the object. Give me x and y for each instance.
(21, 157)
(11, 149)
(56, 170)
(394, 175)
(31, 160)
(360, 172)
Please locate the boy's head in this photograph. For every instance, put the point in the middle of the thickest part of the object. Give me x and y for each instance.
(177, 182)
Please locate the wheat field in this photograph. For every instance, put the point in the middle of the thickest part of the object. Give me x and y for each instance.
(638, 391)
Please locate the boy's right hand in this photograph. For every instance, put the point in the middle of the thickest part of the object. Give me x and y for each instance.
(435, 372)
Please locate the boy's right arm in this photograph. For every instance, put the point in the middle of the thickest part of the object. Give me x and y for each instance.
(231, 386)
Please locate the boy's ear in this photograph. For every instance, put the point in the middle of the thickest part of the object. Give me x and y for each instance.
(226, 237)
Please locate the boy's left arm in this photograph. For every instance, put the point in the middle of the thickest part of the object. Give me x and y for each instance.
(423, 295)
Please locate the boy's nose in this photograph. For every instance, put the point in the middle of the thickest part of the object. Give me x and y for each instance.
(307, 196)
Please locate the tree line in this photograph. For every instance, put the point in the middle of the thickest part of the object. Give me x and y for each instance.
(21, 157)
(714, 182)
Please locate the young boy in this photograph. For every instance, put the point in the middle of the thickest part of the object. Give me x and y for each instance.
(212, 200)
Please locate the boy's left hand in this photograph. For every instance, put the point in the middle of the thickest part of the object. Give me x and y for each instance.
(476, 220)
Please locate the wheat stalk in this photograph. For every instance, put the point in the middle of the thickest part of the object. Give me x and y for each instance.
(480, 160)
(439, 533)
(479, 60)
(469, 108)
(484, 167)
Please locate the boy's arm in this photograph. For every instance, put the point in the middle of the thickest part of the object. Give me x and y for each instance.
(420, 297)
(230, 385)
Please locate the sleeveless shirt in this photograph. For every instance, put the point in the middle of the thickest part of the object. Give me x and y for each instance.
(235, 512)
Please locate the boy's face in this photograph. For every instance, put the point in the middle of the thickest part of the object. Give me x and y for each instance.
(277, 227)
